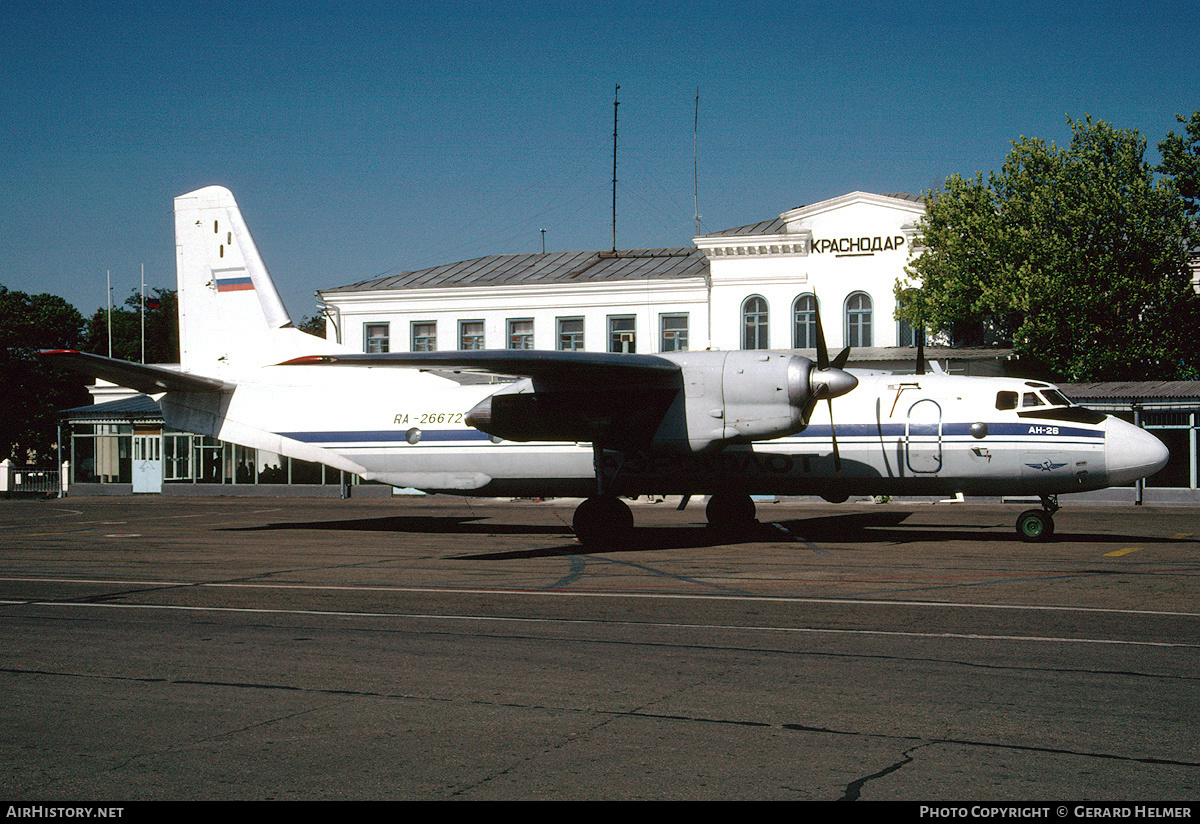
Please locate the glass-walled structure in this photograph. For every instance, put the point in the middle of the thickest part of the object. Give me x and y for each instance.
(123, 447)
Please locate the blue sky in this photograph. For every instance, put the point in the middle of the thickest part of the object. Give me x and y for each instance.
(374, 138)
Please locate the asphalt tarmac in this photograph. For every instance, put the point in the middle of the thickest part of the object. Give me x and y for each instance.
(444, 648)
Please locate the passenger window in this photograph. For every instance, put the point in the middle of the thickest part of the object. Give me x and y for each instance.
(1006, 400)
(1032, 399)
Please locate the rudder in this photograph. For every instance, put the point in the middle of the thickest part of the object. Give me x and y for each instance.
(230, 314)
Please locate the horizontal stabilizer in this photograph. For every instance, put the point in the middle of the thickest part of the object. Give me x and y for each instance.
(583, 367)
(149, 380)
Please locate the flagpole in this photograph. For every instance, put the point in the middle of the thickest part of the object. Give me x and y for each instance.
(108, 276)
(143, 313)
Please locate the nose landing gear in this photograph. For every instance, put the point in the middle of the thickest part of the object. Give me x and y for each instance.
(1037, 525)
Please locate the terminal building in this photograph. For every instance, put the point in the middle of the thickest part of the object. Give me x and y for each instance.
(753, 287)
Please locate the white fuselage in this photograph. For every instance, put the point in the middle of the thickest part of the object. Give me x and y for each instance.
(896, 435)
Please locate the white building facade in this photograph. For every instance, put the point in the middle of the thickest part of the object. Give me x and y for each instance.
(754, 287)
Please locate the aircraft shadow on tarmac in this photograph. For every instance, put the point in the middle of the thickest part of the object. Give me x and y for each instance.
(422, 524)
(854, 527)
(643, 539)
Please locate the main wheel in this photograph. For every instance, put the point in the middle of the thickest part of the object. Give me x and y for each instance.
(1035, 525)
(603, 520)
(730, 512)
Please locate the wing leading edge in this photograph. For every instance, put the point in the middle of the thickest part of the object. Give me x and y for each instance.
(578, 367)
(149, 380)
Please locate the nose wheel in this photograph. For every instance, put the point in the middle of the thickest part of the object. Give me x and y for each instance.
(1037, 525)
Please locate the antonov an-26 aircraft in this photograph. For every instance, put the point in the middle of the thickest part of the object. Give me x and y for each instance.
(602, 426)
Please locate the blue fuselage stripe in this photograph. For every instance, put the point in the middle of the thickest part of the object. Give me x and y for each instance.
(818, 432)
(387, 435)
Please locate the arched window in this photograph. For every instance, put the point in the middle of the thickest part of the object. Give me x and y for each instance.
(754, 323)
(804, 322)
(858, 320)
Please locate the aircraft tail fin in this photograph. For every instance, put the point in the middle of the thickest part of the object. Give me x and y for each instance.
(230, 314)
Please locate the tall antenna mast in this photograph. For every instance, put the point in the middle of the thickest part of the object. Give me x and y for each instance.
(143, 313)
(695, 172)
(108, 281)
(614, 180)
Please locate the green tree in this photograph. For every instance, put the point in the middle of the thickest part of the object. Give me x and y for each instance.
(1181, 160)
(35, 391)
(161, 323)
(313, 325)
(1077, 257)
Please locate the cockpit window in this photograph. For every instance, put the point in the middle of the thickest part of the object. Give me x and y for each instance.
(1031, 399)
(1055, 398)
(1006, 400)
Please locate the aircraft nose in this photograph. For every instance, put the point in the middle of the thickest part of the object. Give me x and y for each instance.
(1131, 452)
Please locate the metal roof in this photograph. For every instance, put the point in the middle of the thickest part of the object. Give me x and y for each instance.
(547, 268)
(931, 353)
(567, 267)
(778, 225)
(766, 227)
(125, 410)
(1132, 390)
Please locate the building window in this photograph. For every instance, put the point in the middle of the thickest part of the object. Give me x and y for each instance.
(570, 334)
(754, 323)
(520, 333)
(470, 334)
(804, 326)
(375, 337)
(424, 336)
(858, 320)
(674, 333)
(622, 336)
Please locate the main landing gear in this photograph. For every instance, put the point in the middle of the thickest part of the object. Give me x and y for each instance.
(602, 520)
(1037, 525)
(730, 513)
(606, 520)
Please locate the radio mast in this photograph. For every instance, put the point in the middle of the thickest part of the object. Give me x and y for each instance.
(614, 179)
(695, 172)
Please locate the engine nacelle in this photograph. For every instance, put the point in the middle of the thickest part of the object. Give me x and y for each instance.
(738, 397)
(765, 395)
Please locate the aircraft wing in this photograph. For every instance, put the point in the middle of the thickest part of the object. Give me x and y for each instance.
(578, 367)
(149, 380)
(614, 400)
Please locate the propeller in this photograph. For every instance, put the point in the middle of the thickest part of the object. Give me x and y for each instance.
(829, 381)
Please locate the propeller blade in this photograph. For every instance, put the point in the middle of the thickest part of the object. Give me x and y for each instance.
(822, 350)
(840, 361)
(829, 381)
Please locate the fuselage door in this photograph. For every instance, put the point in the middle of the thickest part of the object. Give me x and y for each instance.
(923, 437)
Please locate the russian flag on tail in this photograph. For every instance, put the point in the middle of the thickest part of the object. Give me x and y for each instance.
(233, 280)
